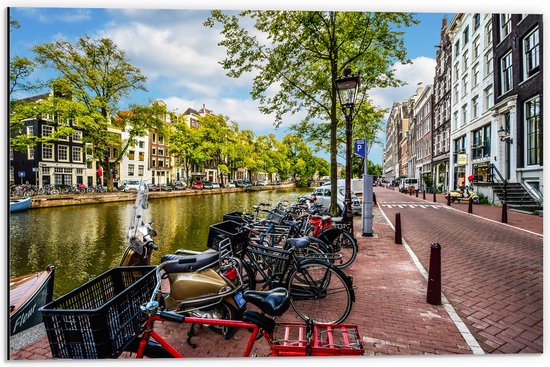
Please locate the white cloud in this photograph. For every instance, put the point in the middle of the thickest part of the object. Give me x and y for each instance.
(66, 16)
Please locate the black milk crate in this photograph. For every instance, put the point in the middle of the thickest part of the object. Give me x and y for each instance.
(227, 229)
(235, 217)
(99, 318)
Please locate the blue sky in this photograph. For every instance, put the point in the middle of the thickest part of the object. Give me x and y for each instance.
(180, 57)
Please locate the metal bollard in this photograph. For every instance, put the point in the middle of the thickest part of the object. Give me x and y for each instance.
(398, 240)
(435, 198)
(416, 193)
(504, 218)
(433, 295)
(424, 194)
(373, 198)
(449, 199)
(470, 206)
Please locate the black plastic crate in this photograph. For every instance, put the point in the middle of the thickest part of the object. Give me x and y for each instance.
(227, 229)
(234, 216)
(99, 318)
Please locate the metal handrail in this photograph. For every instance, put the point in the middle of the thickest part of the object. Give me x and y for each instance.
(504, 183)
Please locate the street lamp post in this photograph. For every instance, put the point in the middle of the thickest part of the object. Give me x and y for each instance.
(504, 135)
(347, 87)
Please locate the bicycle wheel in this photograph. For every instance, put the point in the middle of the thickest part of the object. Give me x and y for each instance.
(320, 292)
(152, 349)
(342, 243)
(248, 276)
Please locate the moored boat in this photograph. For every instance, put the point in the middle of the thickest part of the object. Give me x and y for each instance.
(20, 204)
(27, 294)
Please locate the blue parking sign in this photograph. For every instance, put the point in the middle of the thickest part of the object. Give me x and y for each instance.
(360, 147)
(21, 174)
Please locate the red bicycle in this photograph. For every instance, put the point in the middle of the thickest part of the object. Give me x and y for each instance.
(93, 321)
(287, 339)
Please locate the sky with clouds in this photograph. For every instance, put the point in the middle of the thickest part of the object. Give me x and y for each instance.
(179, 56)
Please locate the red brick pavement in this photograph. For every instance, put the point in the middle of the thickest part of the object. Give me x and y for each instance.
(390, 310)
(491, 273)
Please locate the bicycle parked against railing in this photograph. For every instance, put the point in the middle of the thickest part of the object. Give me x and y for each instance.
(114, 322)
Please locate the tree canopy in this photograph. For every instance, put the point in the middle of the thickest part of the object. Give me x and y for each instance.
(297, 55)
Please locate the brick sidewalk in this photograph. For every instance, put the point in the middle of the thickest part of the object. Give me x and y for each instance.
(491, 273)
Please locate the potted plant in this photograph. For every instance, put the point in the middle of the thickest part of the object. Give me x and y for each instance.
(428, 183)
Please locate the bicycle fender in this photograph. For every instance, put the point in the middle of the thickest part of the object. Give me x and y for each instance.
(328, 235)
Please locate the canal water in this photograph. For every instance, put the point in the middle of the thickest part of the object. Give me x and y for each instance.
(85, 241)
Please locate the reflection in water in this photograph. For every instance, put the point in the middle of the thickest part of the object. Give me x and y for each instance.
(84, 241)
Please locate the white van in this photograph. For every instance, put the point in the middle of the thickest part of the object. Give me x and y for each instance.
(130, 185)
(405, 183)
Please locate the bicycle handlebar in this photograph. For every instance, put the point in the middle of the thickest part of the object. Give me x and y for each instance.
(172, 316)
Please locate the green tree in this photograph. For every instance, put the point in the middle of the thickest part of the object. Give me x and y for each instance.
(100, 76)
(302, 53)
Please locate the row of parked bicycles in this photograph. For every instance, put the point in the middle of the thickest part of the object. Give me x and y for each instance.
(26, 190)
(275, 258)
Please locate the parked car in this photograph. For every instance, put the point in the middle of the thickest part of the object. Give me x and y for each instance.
(207, 185)
(179, 185)
(153, 187)
(278, 182)
(408, 183)
(215, 185)
(247, 183)
(261, 183)
(166, 187)
(197, 185)
(323, 198)
(239, 183)
(130, 185)
(231, 184)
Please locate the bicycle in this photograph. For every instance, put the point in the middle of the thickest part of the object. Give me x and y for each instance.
(114, 323)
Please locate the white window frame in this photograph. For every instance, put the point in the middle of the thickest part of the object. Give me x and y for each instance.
(77, 136)
(46, 148)
(505, 26)
(506, 73)
(47, 130)
(527, 124)
(30, 153)
(131, 170)
(30, 130)
(76, 152)
(59, 155)
(536, 53)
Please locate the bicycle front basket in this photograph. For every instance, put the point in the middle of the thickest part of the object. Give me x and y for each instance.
(99, 318)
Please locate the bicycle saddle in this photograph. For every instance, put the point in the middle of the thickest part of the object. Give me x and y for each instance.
(274, 302)
(302, 242)
(201, 261)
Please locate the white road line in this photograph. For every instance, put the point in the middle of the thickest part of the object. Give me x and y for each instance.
(460, 325)
(399, 205)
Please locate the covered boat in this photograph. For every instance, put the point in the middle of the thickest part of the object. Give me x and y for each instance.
(27, 294)
(20, 204)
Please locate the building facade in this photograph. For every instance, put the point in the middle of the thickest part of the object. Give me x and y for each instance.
(441, 130)
(422, 136)
(518, 111)
(473, 129)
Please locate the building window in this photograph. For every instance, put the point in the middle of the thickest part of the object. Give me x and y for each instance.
(475, 75)
(30, 153)
(505, 26)
(154, 151)
(531, 57)
(477, 19)
(456, 93)
(47, 130)
(161, 162)
(30, 130)
(464, 85)
(455, 120)
(141, 156)
(141, 169)
(488, 63)
(63, 153)
(481, 142)
(464, 115)
(45, 170)
(77, 154)
(488, 98)
(532, 120)
(131, 155)
(161, 139)
(89, 151)
(475, 107)
(465, 63)
(47, 152)
(130, 170)
(506, 72)
(141, 144)
(154, 138)
(476, 48)
(457, 48)
(77, 136)
(161, 152)
(456, 70)
(153, 162)
(488, 34)
(466, 35)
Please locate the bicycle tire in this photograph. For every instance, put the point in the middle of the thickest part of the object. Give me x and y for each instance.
(343, 243)
(320, 292)
(248, 276)
(152, 349)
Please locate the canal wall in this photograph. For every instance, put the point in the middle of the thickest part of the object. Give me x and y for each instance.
(48, 201)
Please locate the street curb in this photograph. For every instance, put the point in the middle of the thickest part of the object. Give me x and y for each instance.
(453, 315)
